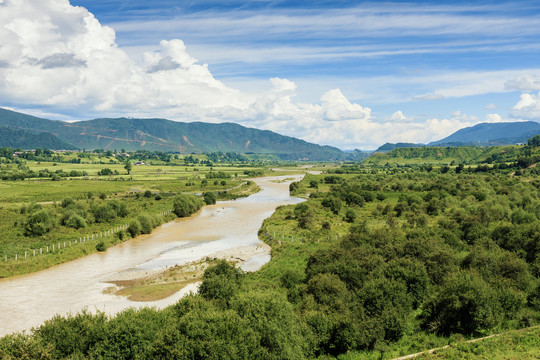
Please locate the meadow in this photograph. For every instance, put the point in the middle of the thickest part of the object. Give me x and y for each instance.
(71, 209)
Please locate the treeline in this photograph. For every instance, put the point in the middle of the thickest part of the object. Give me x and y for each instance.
(500, 155)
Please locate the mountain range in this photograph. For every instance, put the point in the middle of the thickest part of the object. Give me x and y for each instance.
(484, 134)
(18, 130)
(168, 136)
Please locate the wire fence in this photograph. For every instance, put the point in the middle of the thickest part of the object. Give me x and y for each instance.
(55, 247)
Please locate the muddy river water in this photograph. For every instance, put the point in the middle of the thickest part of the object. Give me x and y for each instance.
(27, 301)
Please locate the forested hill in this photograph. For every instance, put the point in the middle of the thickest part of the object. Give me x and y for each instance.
(16, 138)
(166, 135)
(391, 146)
(491, 134)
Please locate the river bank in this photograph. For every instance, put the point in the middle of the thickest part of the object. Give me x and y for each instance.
(152, 285)
(29, 300)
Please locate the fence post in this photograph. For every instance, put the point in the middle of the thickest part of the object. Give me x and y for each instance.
(47, 248)
(25, 254)
(15, 257)
(52, 247)
(40, 251)
(34, 252)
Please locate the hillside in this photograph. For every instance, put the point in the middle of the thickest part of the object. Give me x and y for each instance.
(488, 134)
(24, 139)
(166, 135)
(391, 146)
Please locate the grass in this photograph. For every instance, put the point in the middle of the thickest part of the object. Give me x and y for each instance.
(163, 180)
(518, 344)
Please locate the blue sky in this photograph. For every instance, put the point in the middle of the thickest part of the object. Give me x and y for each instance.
(347, 74)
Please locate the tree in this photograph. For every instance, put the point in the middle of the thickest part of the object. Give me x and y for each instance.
(209, 198)
(220, 281)
(128, 167)
(134, 228)
(466, 304)
(40, 223)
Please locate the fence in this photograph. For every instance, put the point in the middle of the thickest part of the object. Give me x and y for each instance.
(57, 246)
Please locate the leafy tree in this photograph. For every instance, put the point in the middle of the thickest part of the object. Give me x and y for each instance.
(350, 215)
(220, 282)
(134, 228)
(465, 304)
(209, 198)
(75, 221)
(128, 167)
(185, 205)
(40, 223)
(146, 223)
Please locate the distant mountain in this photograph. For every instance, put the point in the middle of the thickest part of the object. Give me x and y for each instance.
(24, 139)
(166, 135)
(488, 134)
(391, 146)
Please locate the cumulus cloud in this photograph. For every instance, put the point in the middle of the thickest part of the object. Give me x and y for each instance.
(398, 117)
(528, 107)
(60, 60)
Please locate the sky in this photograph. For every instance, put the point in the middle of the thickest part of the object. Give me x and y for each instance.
(350, 74)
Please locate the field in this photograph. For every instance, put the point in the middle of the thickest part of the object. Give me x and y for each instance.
(148, 189)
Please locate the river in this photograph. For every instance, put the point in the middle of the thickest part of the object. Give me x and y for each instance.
(27, 301)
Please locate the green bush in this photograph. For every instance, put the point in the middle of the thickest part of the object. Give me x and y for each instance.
(146, 223)
(40, 223)
(220, 282)
(185, 205)
(465, 304)
(76, 222)
(134, 228)
(101, 246)
(209, 198)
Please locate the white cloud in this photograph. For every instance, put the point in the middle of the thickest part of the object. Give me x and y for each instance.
(428, 97)
(529, 82)
(528, 107)
(494, 118)
(399, 117)
(490, 106)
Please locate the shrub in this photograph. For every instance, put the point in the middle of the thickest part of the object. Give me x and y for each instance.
(67, 202)
(40, 223)
(100, 246)
(76, 222)
(350, 215)
(146, 223)
(134, 228)
(185, 205)
(220, 281)
(209, 198)
(466, 304)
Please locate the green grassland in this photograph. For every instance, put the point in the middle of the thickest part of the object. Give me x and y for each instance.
(149, 189)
